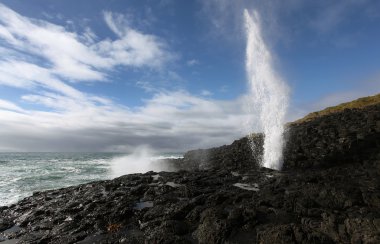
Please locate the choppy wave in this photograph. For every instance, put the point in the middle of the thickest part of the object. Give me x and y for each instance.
(22, 174)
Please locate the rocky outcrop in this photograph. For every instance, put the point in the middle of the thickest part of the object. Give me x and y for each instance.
(235, 156)
(350, 135)
(328, 192)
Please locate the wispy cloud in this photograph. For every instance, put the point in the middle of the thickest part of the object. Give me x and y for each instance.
(367, 87)
(26, 75)
(6, 105)
(356, 89)
(45, 60)
(192, 62)
(332, 14)
(320, 19)
(206, 93)
(169, 121)
(67, 55)
(132, 48)
(323, 22)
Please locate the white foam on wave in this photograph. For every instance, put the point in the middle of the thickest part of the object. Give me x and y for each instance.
(71, 169)
(22, 174)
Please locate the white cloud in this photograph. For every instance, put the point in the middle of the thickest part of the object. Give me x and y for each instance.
(78, 56)
(26, 75)
(61, 49)
(74, 120)
(6, 105)
(116, 22)
(206, 93)
(192, 62)
(286, 21)
(364, 87)
(89, 37)
(146, 86)
(169, 121)
(43, 59)
(334, 99)
(133, 48)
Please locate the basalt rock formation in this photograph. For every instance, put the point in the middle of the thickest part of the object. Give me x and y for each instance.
(238, 155)
(347, 136)
(328, 192)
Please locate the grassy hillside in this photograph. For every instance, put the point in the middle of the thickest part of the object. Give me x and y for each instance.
(358, 103)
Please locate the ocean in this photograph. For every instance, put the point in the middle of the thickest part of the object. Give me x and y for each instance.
(21, 174)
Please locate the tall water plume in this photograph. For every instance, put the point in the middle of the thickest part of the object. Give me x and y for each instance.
(268, 93)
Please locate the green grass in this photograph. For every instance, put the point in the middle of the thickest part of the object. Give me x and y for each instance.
(356, 104)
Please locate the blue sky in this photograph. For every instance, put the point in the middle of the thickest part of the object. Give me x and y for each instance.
(169, 74)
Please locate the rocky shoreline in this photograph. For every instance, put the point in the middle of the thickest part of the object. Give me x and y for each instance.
(328, 192)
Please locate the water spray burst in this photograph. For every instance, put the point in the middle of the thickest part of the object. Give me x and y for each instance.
(268, 93)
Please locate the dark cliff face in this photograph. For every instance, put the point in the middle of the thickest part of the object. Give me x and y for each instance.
(351, 135)
(235, 156)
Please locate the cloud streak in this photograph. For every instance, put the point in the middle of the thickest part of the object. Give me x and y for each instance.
(67, 56)
(171, 121)
(46, 60)
(320, 18)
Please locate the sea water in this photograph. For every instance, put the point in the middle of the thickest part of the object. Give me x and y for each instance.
(21, 174)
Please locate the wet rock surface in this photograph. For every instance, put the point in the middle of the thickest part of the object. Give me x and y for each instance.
(327, 193)
(338, 204)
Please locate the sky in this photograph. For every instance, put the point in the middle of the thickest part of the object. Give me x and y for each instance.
(169, 74)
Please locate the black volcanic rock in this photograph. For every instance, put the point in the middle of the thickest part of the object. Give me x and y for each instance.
(347, 136)
(328, 192)
(238, 155)
(334, 205)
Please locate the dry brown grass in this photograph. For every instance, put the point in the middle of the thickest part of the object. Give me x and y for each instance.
(356, 104)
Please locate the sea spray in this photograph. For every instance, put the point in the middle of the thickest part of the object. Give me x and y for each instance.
(141, 160)
(268, 93)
